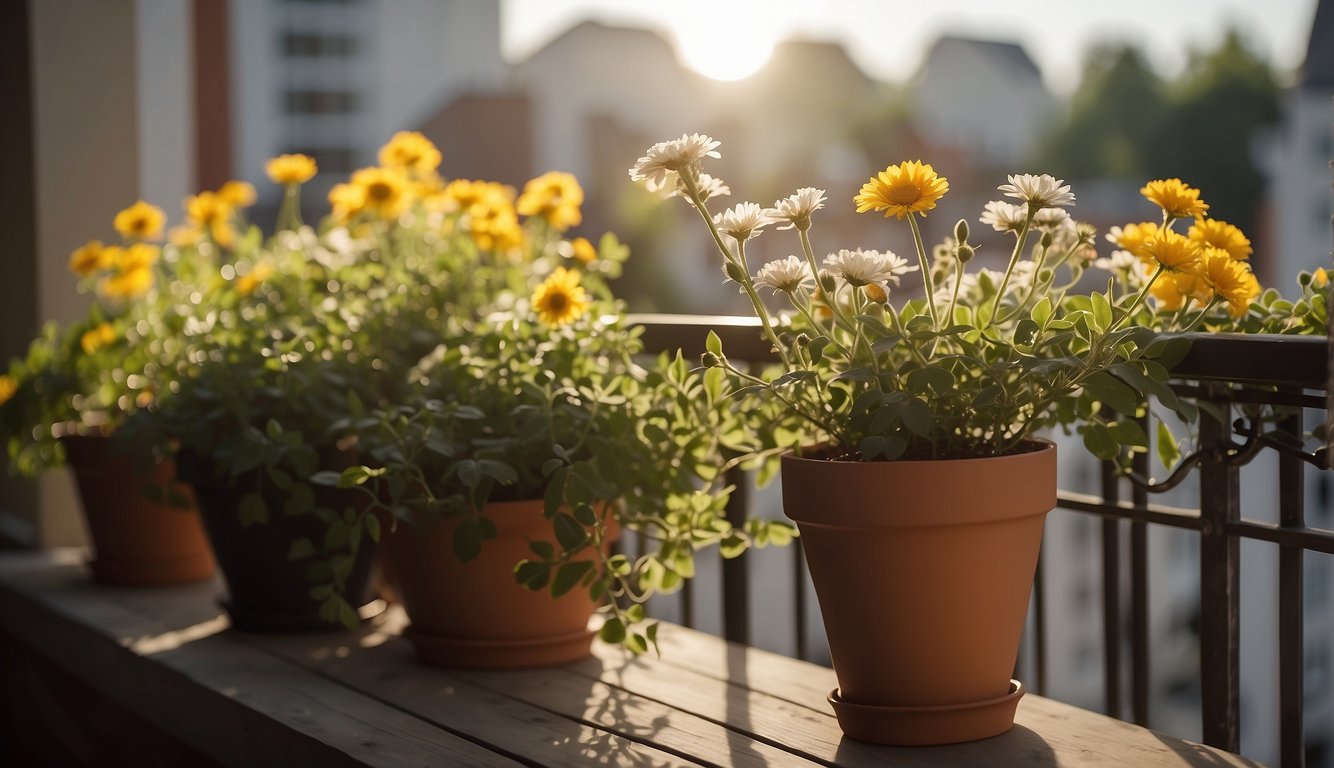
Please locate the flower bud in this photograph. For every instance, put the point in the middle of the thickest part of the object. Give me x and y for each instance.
(876, 292)
(803, 339)
(735, 272)
(710, 360)
(966, 253)
(961, 231)
(1044, 276)
(1046, 239)
(827, 283)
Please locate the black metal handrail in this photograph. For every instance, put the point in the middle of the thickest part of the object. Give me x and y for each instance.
(1223, 370)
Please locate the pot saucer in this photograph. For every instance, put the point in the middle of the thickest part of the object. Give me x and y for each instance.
(922, 726)
(481, 653)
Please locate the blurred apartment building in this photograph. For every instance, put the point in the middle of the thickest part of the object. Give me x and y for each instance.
(218, 86)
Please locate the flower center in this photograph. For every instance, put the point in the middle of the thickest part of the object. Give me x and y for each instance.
(557, 302)
(904, 193)
(379, 191)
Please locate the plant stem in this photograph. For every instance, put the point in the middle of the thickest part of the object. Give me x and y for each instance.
(927, 282)
(1020, 241)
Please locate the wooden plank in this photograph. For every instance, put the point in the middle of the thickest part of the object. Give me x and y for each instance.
(761, 693)
(378, 663)
(229, 700)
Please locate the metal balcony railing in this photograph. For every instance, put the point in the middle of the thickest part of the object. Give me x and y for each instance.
(1224, 373)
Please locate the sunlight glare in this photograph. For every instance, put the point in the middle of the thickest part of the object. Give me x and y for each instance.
(733, 42)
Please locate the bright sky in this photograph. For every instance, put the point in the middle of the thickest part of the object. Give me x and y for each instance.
(728, 37)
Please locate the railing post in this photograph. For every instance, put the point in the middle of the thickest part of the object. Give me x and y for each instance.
(1219, 585)
(1291, 642)
(736, 577)
(1111, 594)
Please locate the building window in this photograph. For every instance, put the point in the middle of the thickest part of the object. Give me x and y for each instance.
(302, 44)
(310, 102)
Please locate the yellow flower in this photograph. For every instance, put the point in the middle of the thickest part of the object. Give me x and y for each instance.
(1320, 278)
(560, 299)
(211, 213)
(247, 283)
(494, 225)
(1175, 198)
(411, 152)
(1172, 251)
(583, 250)
(1231, 280)
(385, 190)
(141, 221)
(1170, 293)
(1215, 233)
(95, 338)
(126, 285)
(909, 187)
(89, 258)
(346, 201)
(238, 194)
(291, 169)
(556, 197)
(136, 257)
(7, 388)
(1132, 237)
(184, 236)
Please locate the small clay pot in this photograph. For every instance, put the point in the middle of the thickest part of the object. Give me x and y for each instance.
(138, 540)
(923, 570)
(475, 614)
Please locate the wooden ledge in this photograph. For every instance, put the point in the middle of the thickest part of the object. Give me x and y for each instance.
(359, 698)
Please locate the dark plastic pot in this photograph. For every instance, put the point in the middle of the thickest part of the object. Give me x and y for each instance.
(267, 591)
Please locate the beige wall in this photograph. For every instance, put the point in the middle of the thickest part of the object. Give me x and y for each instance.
(111, 111)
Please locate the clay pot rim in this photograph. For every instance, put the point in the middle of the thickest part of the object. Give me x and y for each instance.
(1042, 446)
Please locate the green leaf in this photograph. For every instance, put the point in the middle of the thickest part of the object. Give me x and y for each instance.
(300, 499)
(568, 575)
(498, 470)
(1107, 389)
(713, 344)
(1102, 312)
(1169, 452)
(468, 539)
(569, 532)
(301, 549)
(372, 524)
(1041, 311)
(542, 549)
(613, 631)
(816, 348)
(551, 465)
(252, 509)
(1168, 351)
(327, 477)
(856, 374)
(1026, 332)
(274, 429)
(532, 575)
(637, 643)
(555, 493)
(469, 473)
(1099, 441)
(732, 546)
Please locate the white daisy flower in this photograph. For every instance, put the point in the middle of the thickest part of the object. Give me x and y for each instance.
(863, 267)
(796, 209)
(675, 156)
(1038, 191)
(743, 221)
(1118, 261)
(1003, 216)
(709, 187)
(785, 275)
(1052, 217)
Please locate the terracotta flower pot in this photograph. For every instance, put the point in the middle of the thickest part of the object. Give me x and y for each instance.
(267, 591)
(474, 614)
(137, 541)
(923, 571)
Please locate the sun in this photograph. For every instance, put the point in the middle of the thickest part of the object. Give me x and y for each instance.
(733, 45)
